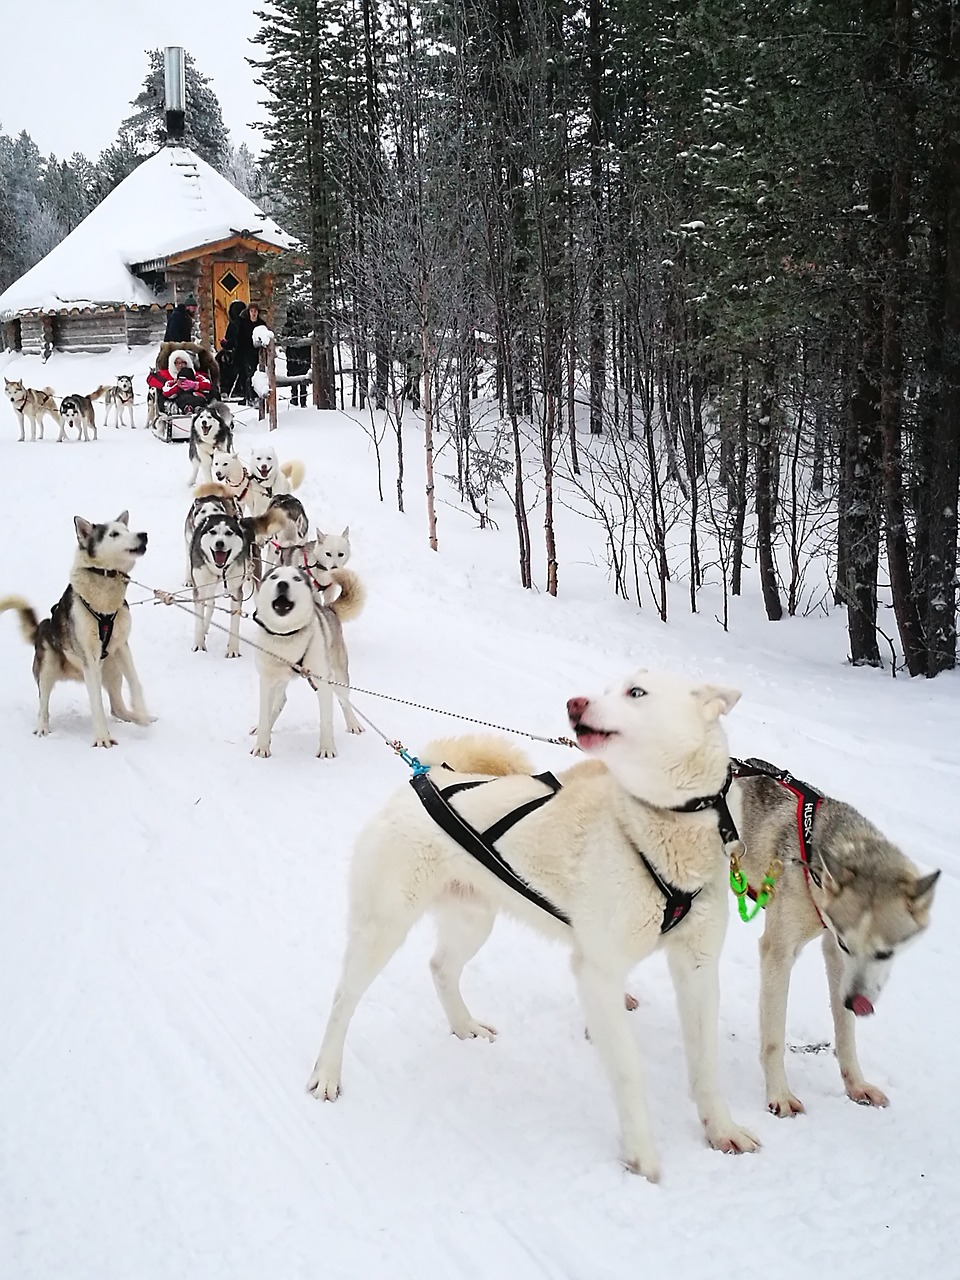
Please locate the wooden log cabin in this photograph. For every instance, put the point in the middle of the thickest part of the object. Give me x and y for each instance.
(172, 227)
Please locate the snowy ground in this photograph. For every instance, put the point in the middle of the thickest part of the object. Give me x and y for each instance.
(172, 912)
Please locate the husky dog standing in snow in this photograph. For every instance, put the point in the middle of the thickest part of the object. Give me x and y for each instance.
(86, 636)
(858, 893)
(254, 493)
(32, 405)
(118, 400)
(77, 412)
(274, 549)
(624, 857)
(294, 632)
(211, 432)
(222, 560)
(321, 564)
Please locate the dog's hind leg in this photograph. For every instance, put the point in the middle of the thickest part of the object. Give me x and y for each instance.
(601, 994)
(373, 939)
(113, 683)
(45, 682)
(844, 1031)
(464, 923)
(696, 982)
(124, 660)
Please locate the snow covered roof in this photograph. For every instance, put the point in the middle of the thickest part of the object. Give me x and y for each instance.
(170, 203)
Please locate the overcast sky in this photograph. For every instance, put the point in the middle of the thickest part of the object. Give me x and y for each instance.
(69, 68)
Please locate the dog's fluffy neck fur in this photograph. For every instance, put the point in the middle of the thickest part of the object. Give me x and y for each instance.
(103, 593)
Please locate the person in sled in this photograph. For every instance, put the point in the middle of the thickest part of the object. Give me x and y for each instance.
(181, 386)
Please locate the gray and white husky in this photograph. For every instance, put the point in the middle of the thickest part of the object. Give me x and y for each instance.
(294, 632)
(87, 634)
(861, 895)
(77, 411)
(118, 401)
(222, 560)
(32, 405)
(211, 431)
(623, 865)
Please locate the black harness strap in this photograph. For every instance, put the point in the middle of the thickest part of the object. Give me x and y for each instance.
(476, 844)
(728, 828)
(479, 844)
(105, 625)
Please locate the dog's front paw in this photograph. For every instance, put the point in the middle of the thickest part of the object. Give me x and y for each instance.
(104, 742)
(262, 751)
(730, 1138)
(232, 653)
(42, 731)
(473, 1030)
(644, 1165)
(324, 1084)
(199, 648)
(327, 753)
(785, 1106)
(867, 1095)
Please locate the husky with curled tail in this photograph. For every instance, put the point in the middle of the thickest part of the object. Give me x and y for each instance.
(613, 860)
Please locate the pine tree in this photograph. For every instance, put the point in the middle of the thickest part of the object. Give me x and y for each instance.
(205, 132)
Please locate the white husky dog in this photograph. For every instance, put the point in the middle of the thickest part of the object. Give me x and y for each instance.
(269, 477)
(252, 492)
(293, 630)
(614, 859)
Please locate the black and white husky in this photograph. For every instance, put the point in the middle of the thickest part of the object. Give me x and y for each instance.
(86, 636)
(77, 411)
(210, 432)
(118, 401)
(223, 558)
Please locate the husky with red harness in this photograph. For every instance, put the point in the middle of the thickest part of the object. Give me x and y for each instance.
(841, 881)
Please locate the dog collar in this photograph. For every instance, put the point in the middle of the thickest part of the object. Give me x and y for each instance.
(106, 573)
(278, 634)
(718, 801)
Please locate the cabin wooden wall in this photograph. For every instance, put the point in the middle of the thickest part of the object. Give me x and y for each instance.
(99, 330)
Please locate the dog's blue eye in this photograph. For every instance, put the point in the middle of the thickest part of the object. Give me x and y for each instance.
(636, 692)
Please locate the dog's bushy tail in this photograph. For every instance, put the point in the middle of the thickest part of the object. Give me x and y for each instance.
(212, 490)
(353, 596)
(273, 520)
(294, 471)
(478, 753)
(100, 391)
(29, 623)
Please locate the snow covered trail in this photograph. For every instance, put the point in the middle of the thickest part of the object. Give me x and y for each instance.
(172, 916)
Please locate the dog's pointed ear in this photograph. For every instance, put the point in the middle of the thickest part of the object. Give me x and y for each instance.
(124, 518)
(320, 534)
(835, 874)
(84, 529)
(716, 700)
(920, 893)
(346, 532)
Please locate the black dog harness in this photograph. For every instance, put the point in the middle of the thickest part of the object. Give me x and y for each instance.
(808, 802)
(480, 844)
(105, 621)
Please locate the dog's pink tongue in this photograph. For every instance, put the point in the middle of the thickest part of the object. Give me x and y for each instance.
(861, 1006)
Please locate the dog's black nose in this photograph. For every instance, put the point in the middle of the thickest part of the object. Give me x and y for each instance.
(283, 586)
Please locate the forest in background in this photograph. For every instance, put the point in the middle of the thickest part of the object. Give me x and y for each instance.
(724, 234)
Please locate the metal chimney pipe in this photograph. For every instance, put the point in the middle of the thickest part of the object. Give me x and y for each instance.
(175, 93)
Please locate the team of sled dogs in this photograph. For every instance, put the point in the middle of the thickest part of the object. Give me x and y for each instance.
(33, 406)
(626, 852)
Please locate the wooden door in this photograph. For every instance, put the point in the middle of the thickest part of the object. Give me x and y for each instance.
(231, 283)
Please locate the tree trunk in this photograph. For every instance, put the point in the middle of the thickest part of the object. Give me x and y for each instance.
(765, 502)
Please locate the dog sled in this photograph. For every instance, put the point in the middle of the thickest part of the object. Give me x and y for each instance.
(165, 421)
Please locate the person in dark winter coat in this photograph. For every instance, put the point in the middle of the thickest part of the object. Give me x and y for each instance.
(413, 369)
(180, 321)
(228, 356)
(250, 319)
